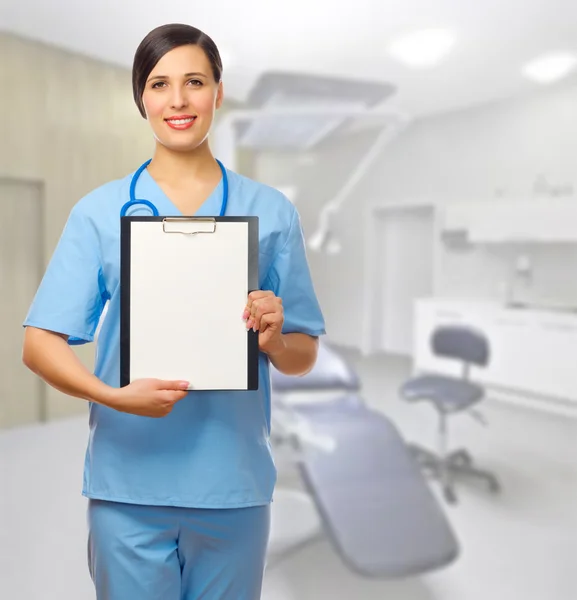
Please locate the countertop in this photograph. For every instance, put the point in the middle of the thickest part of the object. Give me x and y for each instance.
(555, 314)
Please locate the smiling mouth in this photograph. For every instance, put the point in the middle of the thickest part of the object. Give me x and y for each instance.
(180, 122)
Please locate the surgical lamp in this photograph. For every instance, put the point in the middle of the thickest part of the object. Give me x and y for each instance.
(324, 239)
(290, 111)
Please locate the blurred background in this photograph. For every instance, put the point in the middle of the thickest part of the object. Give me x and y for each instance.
(431, 150)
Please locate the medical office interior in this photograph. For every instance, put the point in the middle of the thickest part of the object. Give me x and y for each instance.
(431, 150)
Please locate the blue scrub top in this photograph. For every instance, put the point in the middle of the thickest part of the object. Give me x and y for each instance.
(213, 450)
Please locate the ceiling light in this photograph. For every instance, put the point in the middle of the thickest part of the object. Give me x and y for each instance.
(422, 48)
(550, 67)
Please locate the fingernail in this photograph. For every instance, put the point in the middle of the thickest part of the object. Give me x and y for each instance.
(245, 314)
(184, 385)
(249, 324)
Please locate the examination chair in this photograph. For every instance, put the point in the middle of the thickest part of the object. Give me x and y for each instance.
(450, 395)
(371, 496)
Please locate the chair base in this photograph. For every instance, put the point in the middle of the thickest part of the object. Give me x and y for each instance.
(455, 464)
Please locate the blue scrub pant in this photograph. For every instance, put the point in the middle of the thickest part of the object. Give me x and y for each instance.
(167, 553)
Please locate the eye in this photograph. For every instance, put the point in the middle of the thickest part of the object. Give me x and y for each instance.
(195, 82)
(157, 84)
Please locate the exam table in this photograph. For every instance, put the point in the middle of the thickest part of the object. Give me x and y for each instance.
(370, 495)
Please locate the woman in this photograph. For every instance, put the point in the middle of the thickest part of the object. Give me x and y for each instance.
(178, 504)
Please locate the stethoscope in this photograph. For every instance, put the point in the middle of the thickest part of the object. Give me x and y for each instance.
(133, 200)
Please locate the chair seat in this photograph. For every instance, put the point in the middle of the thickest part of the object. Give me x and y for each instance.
(447, 393)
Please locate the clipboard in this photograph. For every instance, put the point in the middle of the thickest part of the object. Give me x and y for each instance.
(184, 285)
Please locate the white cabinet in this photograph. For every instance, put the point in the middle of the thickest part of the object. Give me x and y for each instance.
(458, 217)
(555, 371)
(530, 351)
(551, 220)
(514, 352)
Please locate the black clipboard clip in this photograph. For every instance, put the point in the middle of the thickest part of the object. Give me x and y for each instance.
(190, 221)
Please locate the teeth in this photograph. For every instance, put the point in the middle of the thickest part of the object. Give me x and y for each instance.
(181, 121)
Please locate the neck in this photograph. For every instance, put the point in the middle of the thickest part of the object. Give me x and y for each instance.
(179, 168)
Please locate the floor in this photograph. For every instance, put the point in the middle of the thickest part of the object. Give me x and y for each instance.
(520, 544)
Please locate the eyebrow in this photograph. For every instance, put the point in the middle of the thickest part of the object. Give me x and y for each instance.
(185, 75)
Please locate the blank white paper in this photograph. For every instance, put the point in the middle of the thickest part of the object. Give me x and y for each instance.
(187, 296)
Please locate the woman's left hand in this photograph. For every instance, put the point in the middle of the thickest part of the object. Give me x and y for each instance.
(264, 313)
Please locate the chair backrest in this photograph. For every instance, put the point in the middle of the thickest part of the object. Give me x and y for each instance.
(461, 342)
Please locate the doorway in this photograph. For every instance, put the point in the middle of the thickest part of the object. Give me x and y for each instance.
(22, 393)
(402, 267)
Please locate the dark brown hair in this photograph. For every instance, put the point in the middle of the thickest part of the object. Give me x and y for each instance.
(161, 40)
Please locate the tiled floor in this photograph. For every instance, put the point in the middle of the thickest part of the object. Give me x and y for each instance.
(521, 544)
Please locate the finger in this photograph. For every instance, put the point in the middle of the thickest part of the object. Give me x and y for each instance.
(259, 308)
(270, 319)
(172, 396)
(267, 303)
(269, 306)
(256, 295)
(251, 313)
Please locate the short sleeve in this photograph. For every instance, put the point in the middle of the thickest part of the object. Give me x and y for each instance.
(290, 279)
(71, 295)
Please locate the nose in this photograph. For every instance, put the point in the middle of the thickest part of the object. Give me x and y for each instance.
(178, 99)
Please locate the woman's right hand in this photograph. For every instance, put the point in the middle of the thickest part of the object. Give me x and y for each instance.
(49, 355)
(148, 397)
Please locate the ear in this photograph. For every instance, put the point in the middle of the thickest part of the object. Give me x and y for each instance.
(219, 95)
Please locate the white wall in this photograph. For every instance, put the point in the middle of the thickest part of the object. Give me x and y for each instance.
(475, 154)
(69, 124)
(317, 176)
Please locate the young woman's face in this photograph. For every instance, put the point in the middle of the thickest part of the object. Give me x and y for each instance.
(180, 98)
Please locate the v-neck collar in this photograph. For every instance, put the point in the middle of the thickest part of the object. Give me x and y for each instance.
(148, 189)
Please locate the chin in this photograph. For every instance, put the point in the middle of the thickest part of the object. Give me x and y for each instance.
(183, 144)
(180, 146)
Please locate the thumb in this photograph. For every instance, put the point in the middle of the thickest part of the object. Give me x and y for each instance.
(174, 385)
